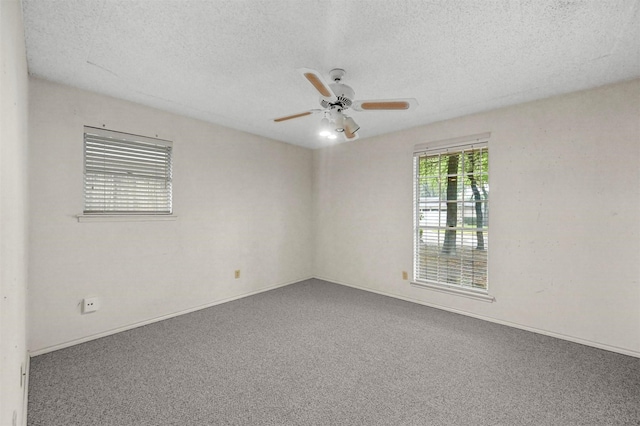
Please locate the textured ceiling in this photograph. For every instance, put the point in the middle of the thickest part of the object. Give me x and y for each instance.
(235, 62)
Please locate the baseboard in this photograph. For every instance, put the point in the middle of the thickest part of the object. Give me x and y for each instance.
(156, 319)
(25, 395)
(581, 341)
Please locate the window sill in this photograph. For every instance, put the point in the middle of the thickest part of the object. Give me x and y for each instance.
(124, 218)
(485, 297)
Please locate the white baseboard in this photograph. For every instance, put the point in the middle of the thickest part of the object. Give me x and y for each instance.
(25, 395)
(156, 319)
(573, 339)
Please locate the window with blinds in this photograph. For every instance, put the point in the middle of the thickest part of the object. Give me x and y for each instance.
(452, 216)
(126, 174)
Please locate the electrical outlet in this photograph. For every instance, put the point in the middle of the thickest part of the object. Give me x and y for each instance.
(405, 275)
(90, 304)
(237, 273)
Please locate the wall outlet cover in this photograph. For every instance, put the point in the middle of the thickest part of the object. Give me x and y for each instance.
(90, 304)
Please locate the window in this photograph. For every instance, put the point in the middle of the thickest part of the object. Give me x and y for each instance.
(451, 202)
(126, 174)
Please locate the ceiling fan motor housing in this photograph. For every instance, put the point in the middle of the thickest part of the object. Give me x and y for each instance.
(344, 93)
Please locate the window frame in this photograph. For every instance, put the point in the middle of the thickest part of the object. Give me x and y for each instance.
(434, 148)
(161, 148)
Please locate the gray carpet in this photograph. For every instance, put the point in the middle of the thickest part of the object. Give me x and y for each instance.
(316, 353)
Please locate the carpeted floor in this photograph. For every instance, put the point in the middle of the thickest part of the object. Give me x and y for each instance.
(316, 353)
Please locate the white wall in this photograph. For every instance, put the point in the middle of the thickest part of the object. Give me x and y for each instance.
(564, 222)
(13, 211)
(242, 201)
(564, 236)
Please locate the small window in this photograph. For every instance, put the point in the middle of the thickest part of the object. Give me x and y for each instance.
(452, 216)
(126, 174)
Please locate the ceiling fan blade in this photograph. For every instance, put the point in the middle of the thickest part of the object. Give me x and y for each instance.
(317, 81)
(349, 135)
(385, 104)
(289, 117)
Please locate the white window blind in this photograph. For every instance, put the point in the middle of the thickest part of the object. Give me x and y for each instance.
(451, 203)
(126, 174)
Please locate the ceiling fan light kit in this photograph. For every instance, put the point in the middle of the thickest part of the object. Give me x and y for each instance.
(338, 122)
(325, 127)
(350, 125)
(337, 97)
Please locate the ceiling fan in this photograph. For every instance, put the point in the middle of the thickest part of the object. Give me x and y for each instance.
(337, 97)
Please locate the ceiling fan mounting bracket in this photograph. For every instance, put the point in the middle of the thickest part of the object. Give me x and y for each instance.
(336, 74)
